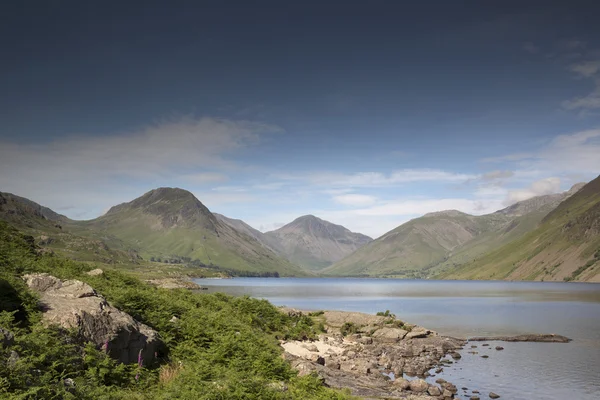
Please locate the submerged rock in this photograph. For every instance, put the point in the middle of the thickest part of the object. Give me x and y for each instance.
(75, 304)
(551, 337)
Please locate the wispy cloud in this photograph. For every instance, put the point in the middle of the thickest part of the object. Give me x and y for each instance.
(91, 169)
(376, 179)
(356, 200)
(538, 188)
(587, 68)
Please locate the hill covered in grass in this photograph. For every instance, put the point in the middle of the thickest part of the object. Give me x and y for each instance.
(442, 241)
(565, 246)
(218, 347)
(164, 226)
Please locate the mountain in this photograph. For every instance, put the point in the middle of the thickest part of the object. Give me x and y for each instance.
(314, 243)
(172, 222)
(243, 227)
(50, 231)
(565, 246)
(442, 241)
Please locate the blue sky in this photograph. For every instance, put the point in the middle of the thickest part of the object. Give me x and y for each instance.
(366, 114)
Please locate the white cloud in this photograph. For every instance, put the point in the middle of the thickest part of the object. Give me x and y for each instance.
(98, 170)
(496, 175)
(587, 69)
(538, 188)
(377, 179)
(204, 177)
(576, 153)
(426, 205)
(588, 102)
(356, 200)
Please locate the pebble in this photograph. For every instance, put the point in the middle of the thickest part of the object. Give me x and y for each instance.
(499, 348)
(494, 395)
(485, 356)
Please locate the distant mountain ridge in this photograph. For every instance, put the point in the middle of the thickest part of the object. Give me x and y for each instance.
(173, 221)
(314, 243)
(443, 240)
(164, 222)
(564, 246)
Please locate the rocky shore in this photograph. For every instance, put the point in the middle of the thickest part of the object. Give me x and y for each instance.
(370, 355)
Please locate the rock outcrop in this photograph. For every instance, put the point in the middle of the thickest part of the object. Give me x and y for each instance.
(379, 348)
(547, 337)
(75, 304)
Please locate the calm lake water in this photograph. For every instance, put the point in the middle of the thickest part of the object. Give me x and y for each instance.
(471, 308)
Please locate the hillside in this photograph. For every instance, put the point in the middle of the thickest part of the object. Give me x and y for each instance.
(173, 223)
(442, 241)
(51, 232)
(314, 243)
(243, 227)
(217, 346)
(565, 246)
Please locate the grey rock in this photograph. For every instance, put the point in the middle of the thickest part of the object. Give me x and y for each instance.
(418, 333)
(312, 347)
(390, 335)
(95, 272)
(499, 348)
(418, 385)
(434, 390)
(12, 359)
(75, 304)
(7, 338)
(402, 383)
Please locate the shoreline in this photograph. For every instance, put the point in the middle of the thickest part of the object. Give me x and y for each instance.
(381, 356)
(372, 355)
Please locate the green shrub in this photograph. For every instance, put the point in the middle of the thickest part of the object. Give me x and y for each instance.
(219, 347)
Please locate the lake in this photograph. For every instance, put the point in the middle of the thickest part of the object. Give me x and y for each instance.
(470, 308)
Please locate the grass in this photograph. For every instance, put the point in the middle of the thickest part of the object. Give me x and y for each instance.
(221, 347)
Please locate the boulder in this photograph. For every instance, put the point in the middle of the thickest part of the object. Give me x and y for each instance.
(402, 383)
(418, 385)
(95, 272)
(494, 395)
(389, 335)
(6, 338)
(434, 390)
(417, 333)
(75, 304)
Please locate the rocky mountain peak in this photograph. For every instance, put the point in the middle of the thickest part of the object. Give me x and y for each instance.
(173, 205)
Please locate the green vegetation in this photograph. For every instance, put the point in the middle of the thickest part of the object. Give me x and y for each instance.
(348, 328)
(385, 313)
(567, 237)
(220, 347)
(165, 232)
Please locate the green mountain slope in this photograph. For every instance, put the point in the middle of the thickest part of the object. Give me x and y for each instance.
(565, 246)
(172, 222)
(314, 243)
(415, 245)
(51, 232)
(442, 241)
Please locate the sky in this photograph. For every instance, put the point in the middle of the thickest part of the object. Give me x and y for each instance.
(364, 113)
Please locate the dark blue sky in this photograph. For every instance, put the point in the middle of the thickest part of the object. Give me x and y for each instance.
(344, 87)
